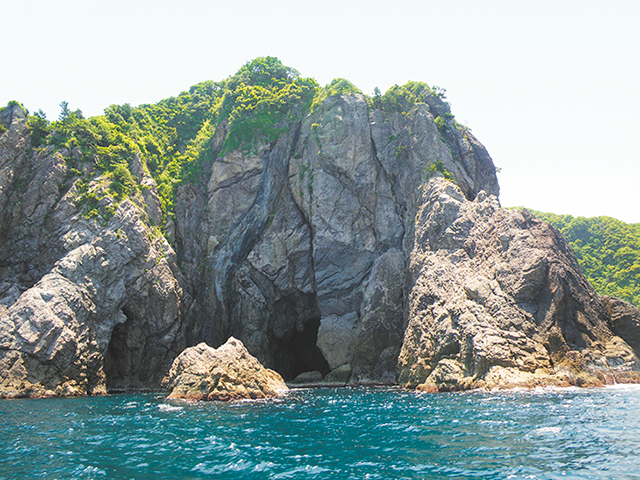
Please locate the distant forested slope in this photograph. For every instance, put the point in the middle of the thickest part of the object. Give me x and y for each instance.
(608, 251)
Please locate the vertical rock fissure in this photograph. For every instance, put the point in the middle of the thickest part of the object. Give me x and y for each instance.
(387, 178)
(242, 239)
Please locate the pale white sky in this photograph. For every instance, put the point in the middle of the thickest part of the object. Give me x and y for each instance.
(551, 88)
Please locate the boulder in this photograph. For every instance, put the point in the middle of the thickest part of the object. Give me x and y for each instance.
(340, 375)
(308, 378)
(226, 373)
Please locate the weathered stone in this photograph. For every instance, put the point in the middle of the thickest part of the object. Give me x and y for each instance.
(68, 283)
(66, 320)
(625, 320)
(498, 300)
(226, 373)
(309, 378)
(340, 375)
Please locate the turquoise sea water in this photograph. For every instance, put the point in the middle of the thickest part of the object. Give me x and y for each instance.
(328, 433)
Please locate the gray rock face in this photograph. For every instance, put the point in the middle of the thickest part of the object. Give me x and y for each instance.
(498, 300)
(340, 375)
(624, 319)
(305, 241)
(85, 306)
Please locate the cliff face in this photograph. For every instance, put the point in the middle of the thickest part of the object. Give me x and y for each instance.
(303, 244)
(85, 305)
(320, 249)
(498, 300)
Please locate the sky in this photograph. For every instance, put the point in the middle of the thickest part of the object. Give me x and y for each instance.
(551, 88)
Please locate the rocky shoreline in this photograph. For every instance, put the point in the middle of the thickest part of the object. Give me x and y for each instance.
(328, 250)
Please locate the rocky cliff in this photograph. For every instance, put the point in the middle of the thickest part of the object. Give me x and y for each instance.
(85, 305)
(318, 244)
(498, 300)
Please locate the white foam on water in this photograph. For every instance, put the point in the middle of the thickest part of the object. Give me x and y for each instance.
(546, 430)
(164, 407)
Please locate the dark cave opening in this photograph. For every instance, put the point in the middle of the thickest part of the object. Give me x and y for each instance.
(117, 359)
(299, 353)
(134, 360)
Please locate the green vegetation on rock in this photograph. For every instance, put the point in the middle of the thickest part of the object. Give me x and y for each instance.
(402, 98)
(173, 139)
(177, 139)
(607, 249)
(338, 86)
(262, 100)
(438, 167)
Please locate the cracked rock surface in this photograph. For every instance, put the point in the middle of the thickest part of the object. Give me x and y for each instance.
(498, 301)
(303, 244)
(226, 373)
(85, 306)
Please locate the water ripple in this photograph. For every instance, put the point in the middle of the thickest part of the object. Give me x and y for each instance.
(328, 433)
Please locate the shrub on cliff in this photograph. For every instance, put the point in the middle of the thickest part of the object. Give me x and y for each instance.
(262, 100)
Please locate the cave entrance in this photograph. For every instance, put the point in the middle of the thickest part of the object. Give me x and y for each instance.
(137, 356)
(299, 353)
(117, 361)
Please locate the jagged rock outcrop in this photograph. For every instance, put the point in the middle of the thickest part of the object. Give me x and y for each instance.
(498, 300)
(226, 373)
(624, 319)
(85, 305)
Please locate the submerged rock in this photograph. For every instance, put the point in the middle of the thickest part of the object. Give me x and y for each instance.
(229, 372)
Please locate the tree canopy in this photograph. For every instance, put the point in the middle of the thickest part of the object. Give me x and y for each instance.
(607, 249)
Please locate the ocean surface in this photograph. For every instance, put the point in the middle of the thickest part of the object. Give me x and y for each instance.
(356, 433)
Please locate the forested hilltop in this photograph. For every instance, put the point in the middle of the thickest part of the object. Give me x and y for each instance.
(607, 249)
(173, 140)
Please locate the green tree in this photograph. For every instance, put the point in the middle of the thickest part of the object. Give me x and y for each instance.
(607, 250)
(65, 111)
(38, 126)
